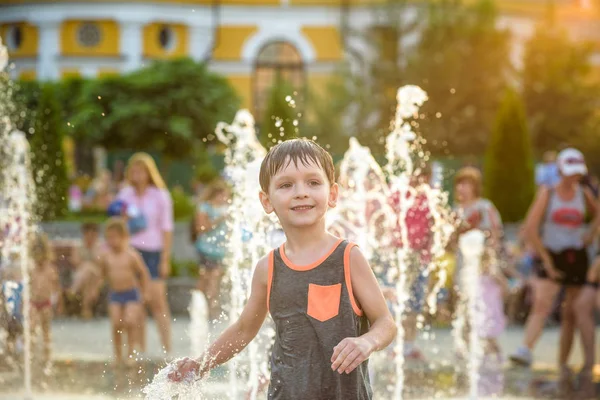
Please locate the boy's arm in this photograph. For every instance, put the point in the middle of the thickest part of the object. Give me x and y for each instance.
(237, 336)
(351, 352)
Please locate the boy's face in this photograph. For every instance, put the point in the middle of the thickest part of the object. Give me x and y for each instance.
(299, 195)
(115, 239)
(90, 237)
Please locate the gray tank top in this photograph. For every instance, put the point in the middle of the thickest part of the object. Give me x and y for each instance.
(563, 224)
(313, 309)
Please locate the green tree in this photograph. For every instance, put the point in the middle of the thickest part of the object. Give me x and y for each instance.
(204, 169)
(508, 168)
(48, 159)
(324, 118)
(361, 101)
(560, 93)
(166, 107)
(280, 121)
(462, 61)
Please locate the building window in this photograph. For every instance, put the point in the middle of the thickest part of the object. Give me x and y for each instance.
(167, 38)
(89, 34)
(277, 61)
(14, 37)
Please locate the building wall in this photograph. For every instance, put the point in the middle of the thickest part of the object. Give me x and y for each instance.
(60, 39)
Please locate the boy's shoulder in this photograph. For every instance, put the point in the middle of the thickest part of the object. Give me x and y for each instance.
(132, 253)
(262, 268)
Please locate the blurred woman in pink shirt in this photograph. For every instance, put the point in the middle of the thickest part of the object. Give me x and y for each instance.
(150, 212)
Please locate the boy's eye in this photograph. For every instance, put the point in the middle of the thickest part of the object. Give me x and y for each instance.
(285, 185)
(314, 183)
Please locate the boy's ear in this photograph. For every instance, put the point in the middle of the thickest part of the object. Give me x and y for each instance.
(334, 192)
(266, 203)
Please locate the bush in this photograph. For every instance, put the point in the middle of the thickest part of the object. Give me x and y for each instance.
(204, 170)
(48, 159)
(183, 206)
(187, 269)
(508, 168)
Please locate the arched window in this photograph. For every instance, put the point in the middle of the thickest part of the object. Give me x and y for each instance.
(276, 61)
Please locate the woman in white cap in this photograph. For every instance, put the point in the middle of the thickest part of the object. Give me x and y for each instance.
(555, 227)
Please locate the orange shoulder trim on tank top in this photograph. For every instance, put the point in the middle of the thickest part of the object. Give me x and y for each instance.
(270, 277)
(309, 266)
(348, 278)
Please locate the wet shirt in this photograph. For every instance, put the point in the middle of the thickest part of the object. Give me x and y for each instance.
(314, 310)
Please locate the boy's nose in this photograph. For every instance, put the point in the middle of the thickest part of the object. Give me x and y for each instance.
(300, 192)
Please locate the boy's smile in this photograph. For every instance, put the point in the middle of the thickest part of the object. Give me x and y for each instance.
(300, 195)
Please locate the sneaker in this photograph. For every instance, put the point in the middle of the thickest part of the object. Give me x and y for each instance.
(522, 357)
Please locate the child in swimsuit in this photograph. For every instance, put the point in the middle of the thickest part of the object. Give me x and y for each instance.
(124, 270)
(44, 290)
(86, 282)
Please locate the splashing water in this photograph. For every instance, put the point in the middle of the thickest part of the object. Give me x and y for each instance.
(363, 186)
(17, 196)
(471, 245)
(366, 215)
(198, 330)
(252, 234)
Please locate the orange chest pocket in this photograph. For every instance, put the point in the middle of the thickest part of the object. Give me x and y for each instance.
(323, 301)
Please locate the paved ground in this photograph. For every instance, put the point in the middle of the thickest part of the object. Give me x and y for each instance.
(76, 341)
(90, 340)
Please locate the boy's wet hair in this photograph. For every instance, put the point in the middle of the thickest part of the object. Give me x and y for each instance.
(301, 150)
(90, 227)
(117, 224)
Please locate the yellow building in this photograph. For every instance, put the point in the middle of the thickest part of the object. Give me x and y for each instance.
(249, 41)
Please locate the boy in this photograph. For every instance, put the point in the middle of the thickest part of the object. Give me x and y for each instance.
(86, 280)
(121, 265)
(319, 290)
(45, 287)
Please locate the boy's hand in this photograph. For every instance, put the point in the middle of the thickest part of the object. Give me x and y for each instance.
(183, 369)
(350, 353)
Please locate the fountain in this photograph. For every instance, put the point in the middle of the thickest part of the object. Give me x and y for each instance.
(363, 213)
(471, 245)
(17, 195)
(252, 234)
